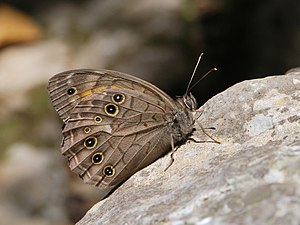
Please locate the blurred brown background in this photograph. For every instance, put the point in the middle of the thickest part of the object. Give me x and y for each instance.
(158, 41)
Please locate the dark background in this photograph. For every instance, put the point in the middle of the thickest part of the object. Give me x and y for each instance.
(244, 39)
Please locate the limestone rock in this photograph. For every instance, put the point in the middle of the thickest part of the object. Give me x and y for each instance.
(252, 177)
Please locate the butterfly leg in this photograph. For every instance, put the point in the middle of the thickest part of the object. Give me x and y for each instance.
(198, 114)
(214, 140)
(172, 153)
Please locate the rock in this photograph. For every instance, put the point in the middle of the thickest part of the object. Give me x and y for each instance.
(252, 177)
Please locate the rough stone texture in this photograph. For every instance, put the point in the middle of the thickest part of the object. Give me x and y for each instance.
(252, 177)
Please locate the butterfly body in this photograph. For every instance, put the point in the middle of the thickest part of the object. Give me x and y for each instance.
(116, 124)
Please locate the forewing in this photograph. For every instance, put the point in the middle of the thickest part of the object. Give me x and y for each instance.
(88, 82)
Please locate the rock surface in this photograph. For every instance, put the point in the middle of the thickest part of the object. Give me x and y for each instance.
(252, 177)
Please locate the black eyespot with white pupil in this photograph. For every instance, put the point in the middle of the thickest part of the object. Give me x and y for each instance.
(118, 98)
(109, 171)
(71, 91)
(97, 158)
(90, 142)
(98, 119)
(111, 109)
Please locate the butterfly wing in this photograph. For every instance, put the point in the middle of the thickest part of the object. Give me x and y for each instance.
(67, 89)
(115, 124)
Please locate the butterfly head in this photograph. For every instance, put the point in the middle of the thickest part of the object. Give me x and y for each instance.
(189, 101)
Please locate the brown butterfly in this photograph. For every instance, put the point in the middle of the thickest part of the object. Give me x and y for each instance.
(116, 124)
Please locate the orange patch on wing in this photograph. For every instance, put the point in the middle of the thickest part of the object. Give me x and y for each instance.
(97, 90)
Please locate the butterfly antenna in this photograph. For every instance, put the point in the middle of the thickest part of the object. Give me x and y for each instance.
(207, 73)
(194, 72)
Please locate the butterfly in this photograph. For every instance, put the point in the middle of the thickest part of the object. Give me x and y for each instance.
(116, 124)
